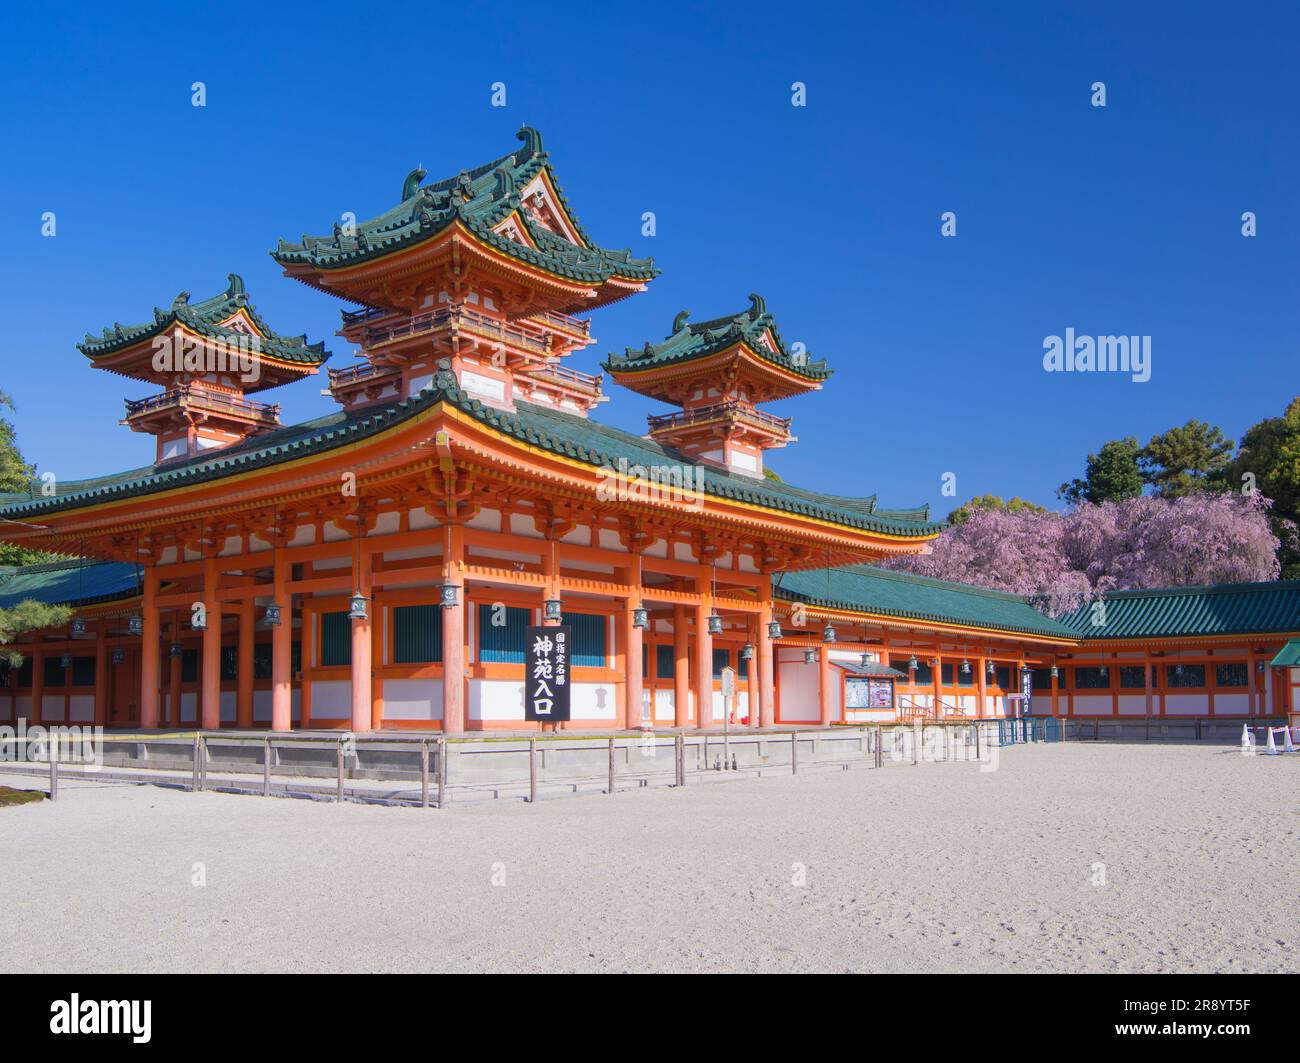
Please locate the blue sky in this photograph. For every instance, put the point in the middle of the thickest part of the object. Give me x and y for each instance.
(1122, 220)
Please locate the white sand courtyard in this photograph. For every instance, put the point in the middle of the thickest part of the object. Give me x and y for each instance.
(1075, 857)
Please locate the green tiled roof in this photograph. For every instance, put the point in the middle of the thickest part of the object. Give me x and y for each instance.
(561, 433)
(871, 668)
(1288, 656)
(866, 589)
(68, 583)
(691, 342)
(1228, 609)
(202, 317)
(480, 199)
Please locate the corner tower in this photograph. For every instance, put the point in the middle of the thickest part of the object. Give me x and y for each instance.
(207, 357)
(487, 269)
(718, 372)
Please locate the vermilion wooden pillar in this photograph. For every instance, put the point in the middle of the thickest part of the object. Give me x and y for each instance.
(101, 673)
(150, 668)
(824, 680)
(210, 697)
(361, 645)
(282, 649)
(751, 676)
(766, 662)
(453, 638)
(703, 665)
(681, 668)
(980, 703)
(174, 677)
(634, 643)
(244, 681)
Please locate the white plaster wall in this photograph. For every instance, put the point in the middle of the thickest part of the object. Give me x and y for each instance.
(1231, 704)
(593, 701)
(665, 705)
(800, 697)
(81, 708)
(1134, 704)
(331, 700)
(24, 707)
(228, 700)
(189, 707)
(52, 707)
(1091, 705)
(1186, 705)
(412, 699)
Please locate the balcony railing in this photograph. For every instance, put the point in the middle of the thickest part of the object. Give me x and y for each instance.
(359, 373)
(572, 325)
(562, 374)
(187, 396)
(457, 317)
(731, 409)
(360, 317)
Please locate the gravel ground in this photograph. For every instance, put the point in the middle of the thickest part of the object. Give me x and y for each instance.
(1081, 857)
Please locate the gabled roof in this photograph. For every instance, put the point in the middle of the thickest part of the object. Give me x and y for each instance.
(1172, 612)
(866, 589)
(871, 668)
(691, 342)
(1288, 656)
(560, 433)
(480, 199)
(204, 318)
(68, 583)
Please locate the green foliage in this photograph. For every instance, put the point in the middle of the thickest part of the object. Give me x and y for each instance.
(15, 473)
(1185, 460)
(29, 616)
(1268, 460)
(1112, 474)
(983, 503)
(770, 474)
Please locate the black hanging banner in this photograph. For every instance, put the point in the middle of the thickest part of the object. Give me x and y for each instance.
(546, 682)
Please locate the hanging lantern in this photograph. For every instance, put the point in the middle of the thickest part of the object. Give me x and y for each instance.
(828, 633)
(865, 660)
(199, 620)
(774, 630)
(272, 616)
(1259, 667)
(449, 595)
(175, 649)
(965, 667)
(358, 607)
(715, 624)
(1178, 669)
(747, 651)
(553, 609)
(1104, 672)
(809, 656)
(119, 655)
(65, 661)
(135, 626)
(912, 663)
(989, 670)
(78, 628)
(641, 618)
(1056, 672)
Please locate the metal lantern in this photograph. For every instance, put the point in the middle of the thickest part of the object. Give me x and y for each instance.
(1056, 672)
(65, 661)
(78, 628)
(553, 609)
(199, 620)
(747, 651)
(449, 595)
(809, 656)
(828, 633)
(1104, 672)
(175, 649)
(912, 664)
(1178, 669)
(715, 624)
(272, 615)
(135, 626)
(774, 630)
(965, 667)
(989, 670)
(358, 607)
(865, 660)
(641, 618)
(1259, 666)
(119, 655)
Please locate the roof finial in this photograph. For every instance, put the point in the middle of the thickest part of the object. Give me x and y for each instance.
(183, 299)
(532, 142)
(757, 305)
(679, 322)
(412, 183)
(236, 288)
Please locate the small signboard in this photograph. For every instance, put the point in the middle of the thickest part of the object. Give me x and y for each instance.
(1026, 690)
(861, 692)
(546, 677)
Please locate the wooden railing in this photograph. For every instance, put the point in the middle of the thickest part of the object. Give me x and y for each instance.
(457, 317)
(189, 397)
(730, 408)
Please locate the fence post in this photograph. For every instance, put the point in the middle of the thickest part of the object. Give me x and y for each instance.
(442, 770)
(977, 741)
(880, 757)
(424, 773)
(266, 767)
(54, 764)
(194, 782)
(532, 771)
(679, 758)
(203, 762)
(611, 764)
(794, 752)
(338, 761)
